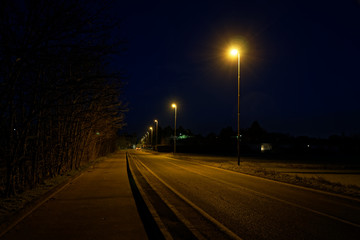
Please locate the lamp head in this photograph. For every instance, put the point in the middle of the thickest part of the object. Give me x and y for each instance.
(234, 52)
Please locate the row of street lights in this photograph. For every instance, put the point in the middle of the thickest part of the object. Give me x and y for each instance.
(151, 133)
(234, 52)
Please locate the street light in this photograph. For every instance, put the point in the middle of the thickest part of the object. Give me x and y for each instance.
(175, 108)
(151, 135)
(156, 130)
(235, 52)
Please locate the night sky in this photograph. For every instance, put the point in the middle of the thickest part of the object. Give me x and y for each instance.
(300, 67)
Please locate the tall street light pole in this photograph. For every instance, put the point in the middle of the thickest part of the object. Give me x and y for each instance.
(175, 108)
(156, 130)
(151, 136)
(237, 52)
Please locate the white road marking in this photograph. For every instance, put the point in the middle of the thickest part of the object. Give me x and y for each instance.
(272, 197)
(206, 215)
(269, 180)
(151, 208)
(196, 233)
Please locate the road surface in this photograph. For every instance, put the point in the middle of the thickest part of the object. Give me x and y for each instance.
(194, 201)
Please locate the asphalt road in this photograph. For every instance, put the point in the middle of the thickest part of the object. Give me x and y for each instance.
(195, 201)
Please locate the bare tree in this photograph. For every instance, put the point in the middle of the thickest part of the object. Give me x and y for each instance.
(59, 107)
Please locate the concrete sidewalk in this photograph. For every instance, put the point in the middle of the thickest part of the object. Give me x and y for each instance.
(97, 205)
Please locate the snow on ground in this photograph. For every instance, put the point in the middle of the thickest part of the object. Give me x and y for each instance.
(345, 177)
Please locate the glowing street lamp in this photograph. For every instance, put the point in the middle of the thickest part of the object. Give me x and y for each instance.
(156, 130)
(151, 135)
(175, 109)
(235, 52)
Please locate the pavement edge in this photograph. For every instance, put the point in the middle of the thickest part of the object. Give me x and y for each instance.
(11, 221)
(153, 225)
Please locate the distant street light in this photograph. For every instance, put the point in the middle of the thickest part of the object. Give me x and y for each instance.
(156, 130)
(175, 108)
(235, 52)
(151, 135)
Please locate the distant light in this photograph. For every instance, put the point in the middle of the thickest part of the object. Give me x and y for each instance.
(150, 128)
(97, 133)
(173, 105)
(234, 52)
(155, 120)
(183, 136)
(266, 147)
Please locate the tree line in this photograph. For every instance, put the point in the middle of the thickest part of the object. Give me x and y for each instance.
(60, 104)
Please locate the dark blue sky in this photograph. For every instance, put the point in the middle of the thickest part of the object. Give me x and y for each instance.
(300, 67)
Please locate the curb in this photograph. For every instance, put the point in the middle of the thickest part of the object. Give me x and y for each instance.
(152, 223)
